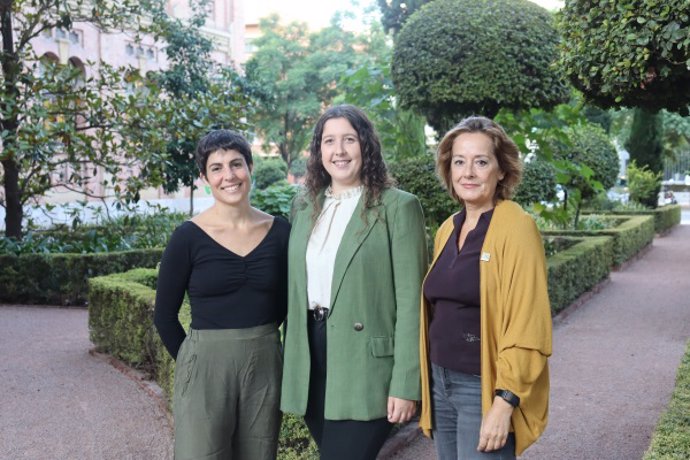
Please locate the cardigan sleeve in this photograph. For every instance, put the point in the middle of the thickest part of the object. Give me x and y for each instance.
(410, 259)
(524, 341)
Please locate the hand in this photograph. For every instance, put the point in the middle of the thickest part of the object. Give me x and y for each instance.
(400, 410)
(495, 426)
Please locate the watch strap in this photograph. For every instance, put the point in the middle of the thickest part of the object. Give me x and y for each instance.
(510, 397)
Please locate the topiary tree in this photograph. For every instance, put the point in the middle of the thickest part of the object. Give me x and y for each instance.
(632, 53)
(538, 183)
(455, 58)
(588, 165)
(417, 175)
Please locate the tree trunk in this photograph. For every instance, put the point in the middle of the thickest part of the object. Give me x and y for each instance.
(191, 200)
(14, 213)
(11, 70)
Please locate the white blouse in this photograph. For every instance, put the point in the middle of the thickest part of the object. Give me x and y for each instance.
(324, 242)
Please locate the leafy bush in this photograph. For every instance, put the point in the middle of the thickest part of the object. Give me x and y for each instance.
(268, 171)
(119, 234)
(275, 199)
(538, 183)
(591, 147)
(418, 176)
(455, 58)
(577, 269)
(121, 324)
(671, 439)
(298, 167)
(643, 185)
(628, 52)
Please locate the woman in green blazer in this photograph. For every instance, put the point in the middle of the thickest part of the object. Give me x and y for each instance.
(356, 258)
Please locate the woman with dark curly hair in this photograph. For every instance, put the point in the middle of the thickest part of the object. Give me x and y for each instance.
(356, 258)
(485, 317)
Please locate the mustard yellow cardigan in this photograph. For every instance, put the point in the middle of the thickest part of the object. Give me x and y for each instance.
(515, 321)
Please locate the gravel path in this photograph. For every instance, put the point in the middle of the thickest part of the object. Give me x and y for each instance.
(59, 402)
(614, 360)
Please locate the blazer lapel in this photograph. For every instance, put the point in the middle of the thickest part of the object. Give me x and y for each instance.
(355, 234)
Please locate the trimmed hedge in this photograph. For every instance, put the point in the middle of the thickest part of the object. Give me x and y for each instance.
(61, 279)
(578, 269)
(121, 324)
(671, 439)
(629, 238)
(665, 217)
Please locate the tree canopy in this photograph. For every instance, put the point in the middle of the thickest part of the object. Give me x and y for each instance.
(60, 126)
(633, 53)
(198, 95)
(455, 58)
(394, 13)
(296, 73)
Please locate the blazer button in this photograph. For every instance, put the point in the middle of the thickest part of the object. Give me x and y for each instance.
(359, 327)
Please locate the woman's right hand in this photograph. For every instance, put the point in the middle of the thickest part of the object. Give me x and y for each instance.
(493, 434)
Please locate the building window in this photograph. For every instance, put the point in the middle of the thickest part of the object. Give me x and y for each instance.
(60, 33)
(150, 54)
(129, 49)
(75, 37)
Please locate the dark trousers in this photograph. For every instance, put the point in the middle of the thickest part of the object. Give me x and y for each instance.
(337, 439)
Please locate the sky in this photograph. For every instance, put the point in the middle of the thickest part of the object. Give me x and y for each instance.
(317, 13)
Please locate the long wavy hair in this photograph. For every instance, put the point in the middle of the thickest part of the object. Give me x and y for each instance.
(374, 174)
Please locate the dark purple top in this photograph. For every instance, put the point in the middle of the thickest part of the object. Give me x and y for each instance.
(452, 289)
(226, 291)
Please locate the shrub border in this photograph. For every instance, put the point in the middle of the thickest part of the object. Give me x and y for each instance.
(61, 279)
(665, 217)
(671, 437)
(629, 238)
(578, 269)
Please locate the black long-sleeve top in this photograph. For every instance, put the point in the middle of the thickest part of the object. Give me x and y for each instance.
(226, 291)
(452, 287)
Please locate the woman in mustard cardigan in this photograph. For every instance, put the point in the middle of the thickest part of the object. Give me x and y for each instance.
(485, 318)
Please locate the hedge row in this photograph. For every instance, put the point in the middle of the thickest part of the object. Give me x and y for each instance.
(121, 324)
(665, 217)
(578, 269)
(629, 237)
(61, 279)
(671, 439)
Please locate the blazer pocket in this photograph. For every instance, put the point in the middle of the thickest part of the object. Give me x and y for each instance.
(381, 347)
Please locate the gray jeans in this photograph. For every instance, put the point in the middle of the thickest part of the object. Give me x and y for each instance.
(457, 417)
(227, 394)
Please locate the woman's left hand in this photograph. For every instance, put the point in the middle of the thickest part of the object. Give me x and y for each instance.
(400, 410)
(495, 426)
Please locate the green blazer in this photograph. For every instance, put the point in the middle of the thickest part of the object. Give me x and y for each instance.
(373, 324)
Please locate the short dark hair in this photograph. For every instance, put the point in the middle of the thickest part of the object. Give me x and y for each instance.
(506, 151)
(221, 139)
(374, 175)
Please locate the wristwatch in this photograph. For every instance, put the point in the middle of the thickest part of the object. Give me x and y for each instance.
(510, 397)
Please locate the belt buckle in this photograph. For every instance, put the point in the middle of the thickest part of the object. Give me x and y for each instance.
(320, 313)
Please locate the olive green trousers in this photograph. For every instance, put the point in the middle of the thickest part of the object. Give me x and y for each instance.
(226, 400)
